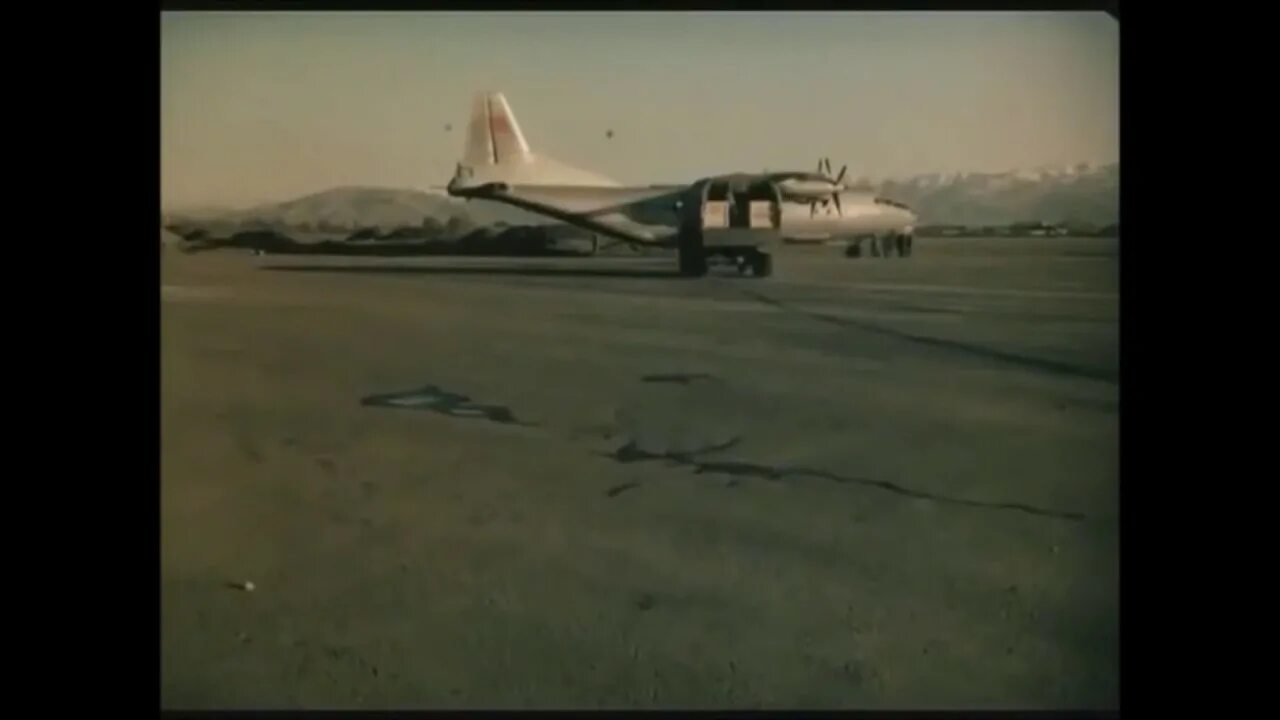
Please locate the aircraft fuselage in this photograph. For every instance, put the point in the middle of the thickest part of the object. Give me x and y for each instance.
(737, 215)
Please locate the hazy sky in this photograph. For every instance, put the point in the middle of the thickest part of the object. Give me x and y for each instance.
(260, 107)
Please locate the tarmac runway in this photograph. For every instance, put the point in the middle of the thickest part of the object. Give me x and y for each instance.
(590, 483)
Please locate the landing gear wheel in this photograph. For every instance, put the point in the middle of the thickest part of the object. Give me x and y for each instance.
(906, 244)
(853, 249)
(762, 265)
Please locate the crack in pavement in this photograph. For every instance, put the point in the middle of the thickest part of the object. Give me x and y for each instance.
(630, 453)
(436, 399)
(678, 378)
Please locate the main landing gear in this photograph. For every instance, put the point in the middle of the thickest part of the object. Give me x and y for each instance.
(760, 264)
(693, 263)
(694, 255)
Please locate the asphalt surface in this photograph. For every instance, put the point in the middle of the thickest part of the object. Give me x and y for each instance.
(589, 483)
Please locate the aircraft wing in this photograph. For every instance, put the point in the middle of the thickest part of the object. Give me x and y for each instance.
(566, 204)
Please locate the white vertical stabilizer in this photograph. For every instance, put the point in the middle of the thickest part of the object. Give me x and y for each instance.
(496, 151)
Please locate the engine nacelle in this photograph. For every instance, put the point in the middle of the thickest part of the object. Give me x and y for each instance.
(806, 190)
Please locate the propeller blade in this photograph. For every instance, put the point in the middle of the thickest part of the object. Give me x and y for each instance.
(836, 197)
(827, 162)
(841, 175)
(813, 208)
(819, 166)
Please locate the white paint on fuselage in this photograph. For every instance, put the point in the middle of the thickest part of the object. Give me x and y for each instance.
(859, 214)
(654, 211)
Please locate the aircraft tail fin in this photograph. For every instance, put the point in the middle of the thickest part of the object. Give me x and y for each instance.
(497, 152)
(493, 135)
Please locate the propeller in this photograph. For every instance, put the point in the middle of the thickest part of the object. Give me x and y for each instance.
(837, 186)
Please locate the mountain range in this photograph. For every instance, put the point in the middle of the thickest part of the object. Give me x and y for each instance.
(1079, 194)
(360, 207)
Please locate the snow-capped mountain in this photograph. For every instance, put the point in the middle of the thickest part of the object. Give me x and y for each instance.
(1083, 193)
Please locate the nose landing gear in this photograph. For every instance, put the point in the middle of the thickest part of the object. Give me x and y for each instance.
(884, 246)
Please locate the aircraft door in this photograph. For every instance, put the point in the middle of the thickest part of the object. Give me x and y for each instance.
(763, 210)
(716, 206)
